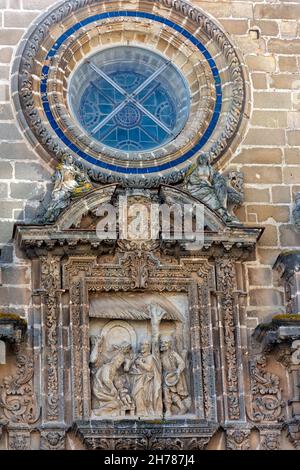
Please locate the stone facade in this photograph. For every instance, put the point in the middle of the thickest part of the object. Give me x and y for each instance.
(266, 149)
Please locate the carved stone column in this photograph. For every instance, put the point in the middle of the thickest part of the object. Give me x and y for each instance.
(232, 369)
(52, 361)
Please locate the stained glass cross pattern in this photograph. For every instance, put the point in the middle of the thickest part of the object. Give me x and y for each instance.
(129, 103)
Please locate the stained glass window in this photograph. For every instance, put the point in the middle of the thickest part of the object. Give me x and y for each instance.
(130, 99)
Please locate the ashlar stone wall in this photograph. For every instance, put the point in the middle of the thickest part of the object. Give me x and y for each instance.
(267, 33)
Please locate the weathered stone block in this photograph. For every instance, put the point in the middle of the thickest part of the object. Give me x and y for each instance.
(265, 137)
(287, 64)
(272, 100)
(285, 81)
(268, 255)
(31, 171)
(262, 174)
(14, 275)
(10, 36)
(281, 11)
(15, 295)
(9, 132)
(6, 54)
(293, 138)
(254, 194)
(261, 156)
(6, 230)
(7, 209)
(266, 297)
(16, 151)
(235, 26)
(260, 276)
(27, 191)
(267, 27)
(259, 81)
(288, 236)
(265, 212)
(281, 194)
(291, 174)
(284, 46)
(18, 19)
(6, 170)
(269, 237)
(292, 155)
(6, 112)
(272, 118)
(261, 63)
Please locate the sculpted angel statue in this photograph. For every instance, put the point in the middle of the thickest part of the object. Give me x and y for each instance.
(212, 189)
(69, 181)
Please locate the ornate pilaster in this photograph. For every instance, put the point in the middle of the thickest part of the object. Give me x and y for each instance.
(19, 438)
(52, 363)
(226, 288)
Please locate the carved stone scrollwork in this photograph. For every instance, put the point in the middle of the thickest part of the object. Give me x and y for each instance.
(52, 440)
(17, 398)
(226, 281)
(266, 393)
(50, 282)
(238, 439)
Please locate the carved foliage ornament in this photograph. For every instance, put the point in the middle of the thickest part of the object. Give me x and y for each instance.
(38, 39)
(266, 393)
(50, 281)
(17, 398)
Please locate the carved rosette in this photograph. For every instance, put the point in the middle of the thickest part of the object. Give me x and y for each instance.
(51, 284)
(226, 279)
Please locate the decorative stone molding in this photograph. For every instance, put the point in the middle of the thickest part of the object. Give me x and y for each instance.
(97, 435)
(19, 438)
(44, 112)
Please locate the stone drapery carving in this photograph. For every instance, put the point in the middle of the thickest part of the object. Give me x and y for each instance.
(211, 188)
(175, 392)
(237, 439)
(123, 381)
(69, 181)
(17, 398)
(266, 393)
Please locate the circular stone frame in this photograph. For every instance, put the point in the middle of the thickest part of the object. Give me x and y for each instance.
(70, 31)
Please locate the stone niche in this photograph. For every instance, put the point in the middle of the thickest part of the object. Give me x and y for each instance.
(140, 359)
